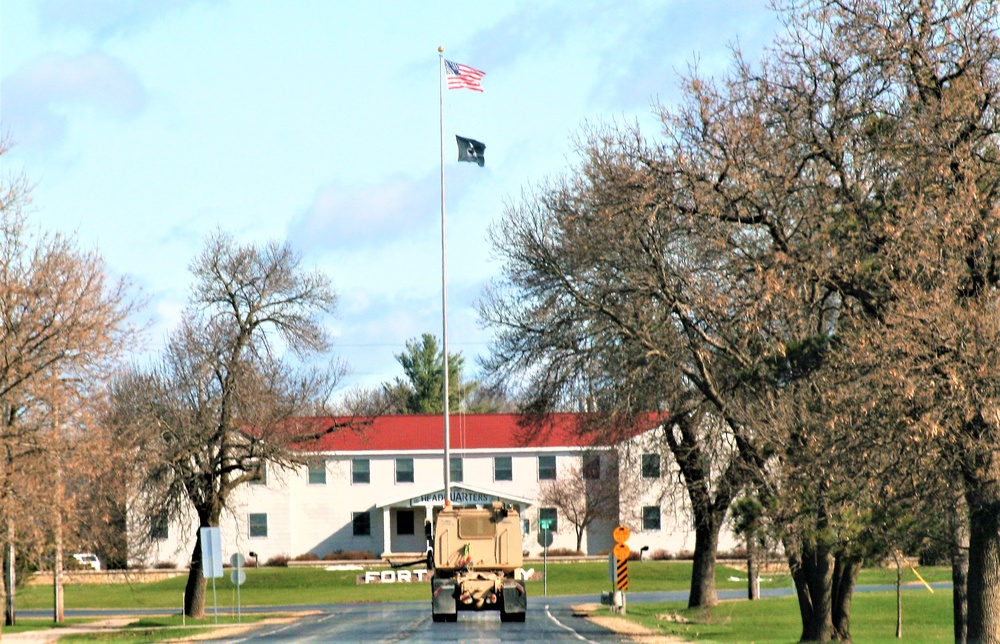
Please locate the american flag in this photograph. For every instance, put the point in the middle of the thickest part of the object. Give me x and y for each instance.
(463, 77)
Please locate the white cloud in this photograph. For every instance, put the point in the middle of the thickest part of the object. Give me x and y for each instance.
(35, 99)
(343, 215)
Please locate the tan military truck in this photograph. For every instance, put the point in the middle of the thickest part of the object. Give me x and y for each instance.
(476, 553)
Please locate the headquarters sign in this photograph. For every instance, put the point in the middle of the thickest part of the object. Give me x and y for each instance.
(459, 495)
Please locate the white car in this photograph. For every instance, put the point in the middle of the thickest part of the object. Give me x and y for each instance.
(88, 559)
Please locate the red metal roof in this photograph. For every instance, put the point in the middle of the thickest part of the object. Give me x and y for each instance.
(405, 433)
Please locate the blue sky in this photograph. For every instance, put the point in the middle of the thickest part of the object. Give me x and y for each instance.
(144, 126)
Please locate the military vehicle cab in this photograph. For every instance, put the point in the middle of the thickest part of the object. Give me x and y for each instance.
(476, 555)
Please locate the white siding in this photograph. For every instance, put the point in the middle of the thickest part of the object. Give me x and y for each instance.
(317, 518)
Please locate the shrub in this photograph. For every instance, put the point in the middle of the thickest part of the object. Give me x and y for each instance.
(307, 556)
(661, 555)
(564, 552)
(349, 555)
(278, 561)
(164, 565)
(69, 564)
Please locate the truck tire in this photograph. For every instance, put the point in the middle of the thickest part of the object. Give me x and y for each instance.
(511, 617)
(445, 617)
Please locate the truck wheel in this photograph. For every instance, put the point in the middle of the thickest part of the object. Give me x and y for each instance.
(445, 617)
(511, 617)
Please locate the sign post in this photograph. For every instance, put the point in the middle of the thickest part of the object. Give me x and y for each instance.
(545, 536)
(619, 571)
(238, 576)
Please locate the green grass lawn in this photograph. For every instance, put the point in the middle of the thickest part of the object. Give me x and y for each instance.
(284, 586)
(772, 620)
(926, 618)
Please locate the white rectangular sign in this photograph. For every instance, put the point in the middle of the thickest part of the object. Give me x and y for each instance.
(211, 552)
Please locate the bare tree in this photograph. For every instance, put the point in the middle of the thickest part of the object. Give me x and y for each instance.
(222, 403)
(811, 250)
(581, 498)
(867, 156)
(613, 295)
(63, 326)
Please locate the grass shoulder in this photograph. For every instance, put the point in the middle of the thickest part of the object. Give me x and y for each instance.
(144, 629)
(926, 618)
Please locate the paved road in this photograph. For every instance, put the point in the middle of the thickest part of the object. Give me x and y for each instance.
(549, 619)
(411, 622)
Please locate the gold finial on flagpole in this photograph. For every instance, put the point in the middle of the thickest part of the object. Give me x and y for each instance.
(440, 49)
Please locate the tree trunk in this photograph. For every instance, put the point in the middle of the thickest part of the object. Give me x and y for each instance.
(798, 572)
(753, 560)
(194, 592)
(706, 542)
(959, 525)
(58, 596)
(984, 571)
(9, 579)
(819, 582)
(813, 571)
(845, 574)
(899, 596)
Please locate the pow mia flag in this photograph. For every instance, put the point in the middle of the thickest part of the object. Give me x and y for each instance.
(471, 150)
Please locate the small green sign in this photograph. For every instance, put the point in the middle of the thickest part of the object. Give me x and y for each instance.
(545, 524)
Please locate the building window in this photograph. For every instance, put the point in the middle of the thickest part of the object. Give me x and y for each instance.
(456, 469)
(525, 527)
(362, 524)
(651, 517)
(650, 466)
(503, 470)
(360, 472)
(550, 515)
(258, 525)
(317, 472)
(546, 468)
(591, 466)
(159, 527)
(404, 470)
(404, 522)
(260, 470)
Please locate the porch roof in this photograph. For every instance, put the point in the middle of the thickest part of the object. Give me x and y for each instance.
(461, 494)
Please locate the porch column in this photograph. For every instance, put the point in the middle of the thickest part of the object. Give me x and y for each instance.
(428, 516)
(386, 534)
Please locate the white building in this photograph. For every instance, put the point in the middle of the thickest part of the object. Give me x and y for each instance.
(372, 490)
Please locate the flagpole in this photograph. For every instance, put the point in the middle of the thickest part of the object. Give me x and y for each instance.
(444, 292)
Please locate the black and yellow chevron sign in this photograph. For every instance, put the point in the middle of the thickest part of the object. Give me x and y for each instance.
(622, 581)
